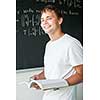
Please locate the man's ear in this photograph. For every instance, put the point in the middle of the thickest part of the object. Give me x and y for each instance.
(60, 20)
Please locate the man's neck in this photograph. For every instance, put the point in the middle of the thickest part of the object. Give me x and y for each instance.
(56, 36)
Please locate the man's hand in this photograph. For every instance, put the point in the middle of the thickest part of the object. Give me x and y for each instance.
(36, 77)
(34, 85)
(39, 76)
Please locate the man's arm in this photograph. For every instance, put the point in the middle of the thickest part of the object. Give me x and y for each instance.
(77, 77)
(39, 76)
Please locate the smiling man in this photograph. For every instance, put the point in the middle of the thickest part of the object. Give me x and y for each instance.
(63, 58)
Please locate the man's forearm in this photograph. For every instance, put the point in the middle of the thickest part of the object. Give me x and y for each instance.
(77, 77)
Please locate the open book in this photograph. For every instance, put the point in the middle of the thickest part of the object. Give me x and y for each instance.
(48, 84)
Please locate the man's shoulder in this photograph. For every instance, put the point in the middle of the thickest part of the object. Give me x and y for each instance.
(71, 40)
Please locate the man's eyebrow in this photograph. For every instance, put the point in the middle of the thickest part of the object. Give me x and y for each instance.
(46, 17)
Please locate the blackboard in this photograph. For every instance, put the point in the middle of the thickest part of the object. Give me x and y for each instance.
(31, 39)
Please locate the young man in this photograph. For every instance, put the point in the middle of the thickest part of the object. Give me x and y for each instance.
(63, 55)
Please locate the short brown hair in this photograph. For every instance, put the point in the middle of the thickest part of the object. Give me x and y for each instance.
(52, 8)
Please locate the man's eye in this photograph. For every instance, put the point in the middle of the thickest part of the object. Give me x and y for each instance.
(42, 20)
(49, 18)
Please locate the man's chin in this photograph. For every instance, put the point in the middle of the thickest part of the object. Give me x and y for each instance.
(48, 32)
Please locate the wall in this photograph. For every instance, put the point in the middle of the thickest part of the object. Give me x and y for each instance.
(23, 93)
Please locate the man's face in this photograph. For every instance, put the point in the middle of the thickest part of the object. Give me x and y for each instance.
(49, 22)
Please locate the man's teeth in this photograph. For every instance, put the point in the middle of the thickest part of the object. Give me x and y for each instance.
(46, 27)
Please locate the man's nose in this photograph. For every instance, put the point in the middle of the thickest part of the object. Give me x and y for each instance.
(45, 21)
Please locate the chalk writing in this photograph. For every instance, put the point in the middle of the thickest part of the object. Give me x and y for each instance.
(28, 19)
(30, 22)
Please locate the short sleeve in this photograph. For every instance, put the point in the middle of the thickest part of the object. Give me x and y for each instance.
(76, 53)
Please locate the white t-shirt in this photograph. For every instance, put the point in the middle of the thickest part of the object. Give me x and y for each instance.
(60, 56)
